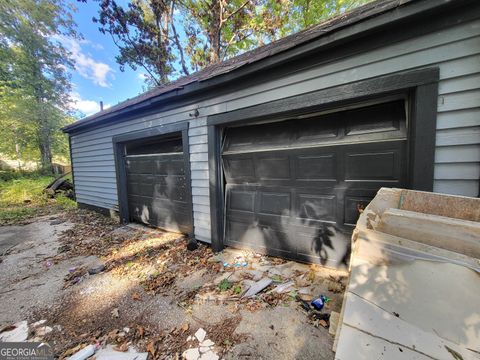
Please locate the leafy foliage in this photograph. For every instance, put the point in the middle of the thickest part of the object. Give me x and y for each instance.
(169, 38)
(34, 83)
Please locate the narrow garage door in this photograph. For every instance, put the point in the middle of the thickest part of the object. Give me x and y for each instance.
(157, 184)
(295, 188)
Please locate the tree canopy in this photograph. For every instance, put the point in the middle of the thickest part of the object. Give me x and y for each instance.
(170, 38)
(34, 80)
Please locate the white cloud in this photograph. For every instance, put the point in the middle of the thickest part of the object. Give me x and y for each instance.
(96, 71)
(142, 76)
(87, 107)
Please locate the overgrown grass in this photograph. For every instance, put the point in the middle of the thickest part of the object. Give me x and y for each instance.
(23, 198)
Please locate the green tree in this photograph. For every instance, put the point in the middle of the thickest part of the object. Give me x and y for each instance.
(34, 79)
(168, 38)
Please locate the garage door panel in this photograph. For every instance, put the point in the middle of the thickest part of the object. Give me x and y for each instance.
(172, 165)
(375, 162)
(170, 187)
(241, 200)
(274, 203)
(271, 167)
(316, 167)
(323, 244)
(157, 189)
(240, 168)
(139, 166)
(316, 207)
(302, 195)
(260, 237)
(354, 205)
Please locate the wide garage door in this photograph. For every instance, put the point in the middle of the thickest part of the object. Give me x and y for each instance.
(157, 184)
(295, 188)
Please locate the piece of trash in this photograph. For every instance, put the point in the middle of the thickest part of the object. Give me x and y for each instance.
(97, 269)
(115, 313)
(334, 319)
(257, 287)
(323, 323)
(83, 354)
(320, 302)
(241, 264)
(72, 270)
(48, 263)
(17, 332)
(191, 354)
(42, 331)
(200, 335)
(38, 323)
(305, 305)
(207, 342)
(284, 288)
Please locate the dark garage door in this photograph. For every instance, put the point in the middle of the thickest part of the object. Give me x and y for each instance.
(295, 188)
(157, 186)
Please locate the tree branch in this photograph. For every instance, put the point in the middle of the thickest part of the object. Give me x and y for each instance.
(235, 12)
(177, 41)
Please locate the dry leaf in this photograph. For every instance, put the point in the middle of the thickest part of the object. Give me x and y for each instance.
(184, 327)
(140, 331)
(151, 347)
(136, 296)
(115, 313)
(323, 323)
(123, 347)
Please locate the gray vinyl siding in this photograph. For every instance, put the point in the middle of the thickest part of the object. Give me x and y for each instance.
(456, 51)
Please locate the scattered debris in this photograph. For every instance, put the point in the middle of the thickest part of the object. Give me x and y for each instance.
(319, 303)
(97, 269)
(200, 335)
(17, 332)
(84, 353)
(257, 287)
(60, 185)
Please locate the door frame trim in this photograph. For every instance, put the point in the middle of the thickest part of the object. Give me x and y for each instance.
(421, 86)
(119, 142)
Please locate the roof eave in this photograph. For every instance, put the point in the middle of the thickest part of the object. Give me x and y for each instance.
(403, 11)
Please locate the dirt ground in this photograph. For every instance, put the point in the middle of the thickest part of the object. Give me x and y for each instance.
(96, 282)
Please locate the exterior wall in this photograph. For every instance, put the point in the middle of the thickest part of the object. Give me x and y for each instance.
(456, 51)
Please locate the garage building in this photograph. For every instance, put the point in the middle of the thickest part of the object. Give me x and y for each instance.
(280, 148)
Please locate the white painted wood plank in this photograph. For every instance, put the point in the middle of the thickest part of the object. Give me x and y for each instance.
(203, 234)
(199, 175)
(459, 118)
(463, 83)
(462, 136)
(199, 165)
(460, 153)
(457, 171)
(199, 157)
(201, 200)
(460, 100)
(200, 191)
(201, 208)
(457, 187)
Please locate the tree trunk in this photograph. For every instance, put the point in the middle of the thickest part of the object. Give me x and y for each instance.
(44, 140)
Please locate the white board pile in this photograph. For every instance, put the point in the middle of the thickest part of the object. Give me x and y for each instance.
(413, 295)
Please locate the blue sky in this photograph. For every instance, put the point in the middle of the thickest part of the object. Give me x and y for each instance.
(97, 76)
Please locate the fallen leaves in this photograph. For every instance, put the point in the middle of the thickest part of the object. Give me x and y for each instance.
(115, 313)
